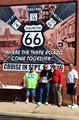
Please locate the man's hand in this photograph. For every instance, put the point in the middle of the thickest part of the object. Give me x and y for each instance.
(47, 81)
(60, 86)
(75, 86)
(40, 81)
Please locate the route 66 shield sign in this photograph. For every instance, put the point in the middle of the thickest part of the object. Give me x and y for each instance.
(33, 36)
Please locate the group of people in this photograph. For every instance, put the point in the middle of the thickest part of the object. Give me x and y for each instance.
(32, 79)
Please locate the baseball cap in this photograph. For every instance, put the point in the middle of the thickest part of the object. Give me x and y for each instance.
(54, 65)
(31, 67)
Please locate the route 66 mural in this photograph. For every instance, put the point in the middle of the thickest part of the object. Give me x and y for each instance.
(38, 34)
(33, 36)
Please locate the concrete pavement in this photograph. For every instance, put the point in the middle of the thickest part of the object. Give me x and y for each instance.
(30, 110)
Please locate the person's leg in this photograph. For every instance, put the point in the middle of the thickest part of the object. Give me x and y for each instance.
(54, 90)
(70, 105)
(70, 88)
(47, 92)
(59, 96)
(41, 92)
(72, 99)
(75, 99)
(33, 92)
(75, 96)
(27, 95)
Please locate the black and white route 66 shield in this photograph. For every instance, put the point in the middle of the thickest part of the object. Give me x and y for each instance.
(33, 39)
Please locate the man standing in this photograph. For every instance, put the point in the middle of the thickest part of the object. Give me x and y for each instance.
(30, 82)
(72, 79)
(57, 79)
(45, 78)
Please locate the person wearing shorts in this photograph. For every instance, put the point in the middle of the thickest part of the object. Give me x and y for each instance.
(30, 82)
(72, 79)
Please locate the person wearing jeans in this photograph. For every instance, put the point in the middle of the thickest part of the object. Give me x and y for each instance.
(45, 78)
(30, 82)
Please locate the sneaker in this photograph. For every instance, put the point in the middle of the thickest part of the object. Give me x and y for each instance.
(59, 105)
(33, 101)
(46, 103)
(74, 106)
(39, 103)
(70, 105)
(26, 101)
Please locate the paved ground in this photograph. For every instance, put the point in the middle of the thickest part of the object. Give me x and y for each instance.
(30, 110)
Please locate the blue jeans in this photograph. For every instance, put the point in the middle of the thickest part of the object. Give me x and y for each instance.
(33, 92)
(42, 87)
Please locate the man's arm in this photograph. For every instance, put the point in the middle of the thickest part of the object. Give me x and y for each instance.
(40, 80)
(24, 83)
(76, 79)
(76, 82)
(60, 79)
(49, 79)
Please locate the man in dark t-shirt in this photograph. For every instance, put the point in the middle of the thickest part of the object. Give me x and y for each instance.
(45, 78)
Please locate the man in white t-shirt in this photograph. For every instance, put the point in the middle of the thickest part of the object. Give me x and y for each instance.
(72, 79)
